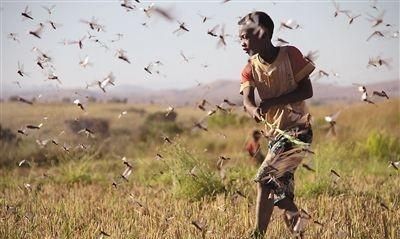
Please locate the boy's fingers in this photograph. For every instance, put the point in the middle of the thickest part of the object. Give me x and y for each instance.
(258, 118)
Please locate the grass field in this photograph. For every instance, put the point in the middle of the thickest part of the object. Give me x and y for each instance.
(70, 194)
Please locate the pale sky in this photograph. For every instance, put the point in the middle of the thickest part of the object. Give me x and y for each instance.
(342, 47)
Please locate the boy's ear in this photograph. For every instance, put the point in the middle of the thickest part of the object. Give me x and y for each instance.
(261, 32)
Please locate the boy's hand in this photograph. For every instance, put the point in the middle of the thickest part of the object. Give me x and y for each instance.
(257, 114)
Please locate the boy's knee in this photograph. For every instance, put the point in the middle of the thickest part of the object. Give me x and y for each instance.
(265, 190)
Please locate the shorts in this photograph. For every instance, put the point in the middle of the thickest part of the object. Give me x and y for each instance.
(283, 186)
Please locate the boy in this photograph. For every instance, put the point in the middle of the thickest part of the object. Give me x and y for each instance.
(253, 147)
(281, 77)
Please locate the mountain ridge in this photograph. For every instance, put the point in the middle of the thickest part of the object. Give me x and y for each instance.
(214, 92)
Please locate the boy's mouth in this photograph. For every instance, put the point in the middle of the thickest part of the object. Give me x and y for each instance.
(246, 50)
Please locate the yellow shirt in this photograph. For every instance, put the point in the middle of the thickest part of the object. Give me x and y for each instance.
(279, 78)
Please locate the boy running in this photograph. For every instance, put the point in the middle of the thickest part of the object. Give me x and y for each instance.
(281, 77)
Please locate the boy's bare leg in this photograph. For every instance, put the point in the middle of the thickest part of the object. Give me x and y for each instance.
(264, 208)
(290, 215)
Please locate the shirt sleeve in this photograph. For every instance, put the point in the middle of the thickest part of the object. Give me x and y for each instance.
(246, 79)
(300, 66)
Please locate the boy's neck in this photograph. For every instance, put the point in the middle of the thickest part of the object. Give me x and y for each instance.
(269, 54)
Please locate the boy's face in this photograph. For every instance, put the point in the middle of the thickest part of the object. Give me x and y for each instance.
(250, 41)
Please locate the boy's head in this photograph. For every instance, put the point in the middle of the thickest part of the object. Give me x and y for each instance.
(256, 135)
(255, 30)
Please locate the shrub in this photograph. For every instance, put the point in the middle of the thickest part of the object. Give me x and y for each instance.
(215, 146)
(74, 171)
(97, 125)
(6, 135)
(320, 186)
(223, 120)
(203, 182)
(139, 111)
(118, 100)
(66, 100)
(28, 150)
(381, 145)
(313, 189)
(239, 177)
(157, 124)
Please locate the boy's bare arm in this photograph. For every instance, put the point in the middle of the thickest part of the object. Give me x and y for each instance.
(302, 92)
(250, 103)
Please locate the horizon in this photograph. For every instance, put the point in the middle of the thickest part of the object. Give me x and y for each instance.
(111, 89)
(213, 92)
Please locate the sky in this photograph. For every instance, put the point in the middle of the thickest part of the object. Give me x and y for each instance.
(342, 48)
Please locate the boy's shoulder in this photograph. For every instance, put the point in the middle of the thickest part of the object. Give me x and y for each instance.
(294, 52)
(295, 56)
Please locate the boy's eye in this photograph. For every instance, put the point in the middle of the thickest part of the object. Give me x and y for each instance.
(244, 36)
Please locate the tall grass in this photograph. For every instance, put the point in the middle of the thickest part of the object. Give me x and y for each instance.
(382, 145)
(71, 194)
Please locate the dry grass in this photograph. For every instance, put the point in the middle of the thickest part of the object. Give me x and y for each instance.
(71, 194)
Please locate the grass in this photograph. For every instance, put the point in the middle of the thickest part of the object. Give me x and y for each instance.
(71, 194)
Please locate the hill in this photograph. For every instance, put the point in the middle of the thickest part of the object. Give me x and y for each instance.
(215, 92)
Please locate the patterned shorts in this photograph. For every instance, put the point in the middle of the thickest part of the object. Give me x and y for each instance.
(284, 185)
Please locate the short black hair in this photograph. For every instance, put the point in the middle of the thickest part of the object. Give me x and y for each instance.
(260, 19)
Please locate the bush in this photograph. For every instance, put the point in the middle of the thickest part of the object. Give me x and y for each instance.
(117, 100)
(66, 100)
(6, 135)
(316, 188)
(138, 111)
(223, 120)
(215, 146)
(76, 172)
(97, 125)
(239, 177)
(381, 145)
(28, 150)
(204, 182)
(157, 124)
